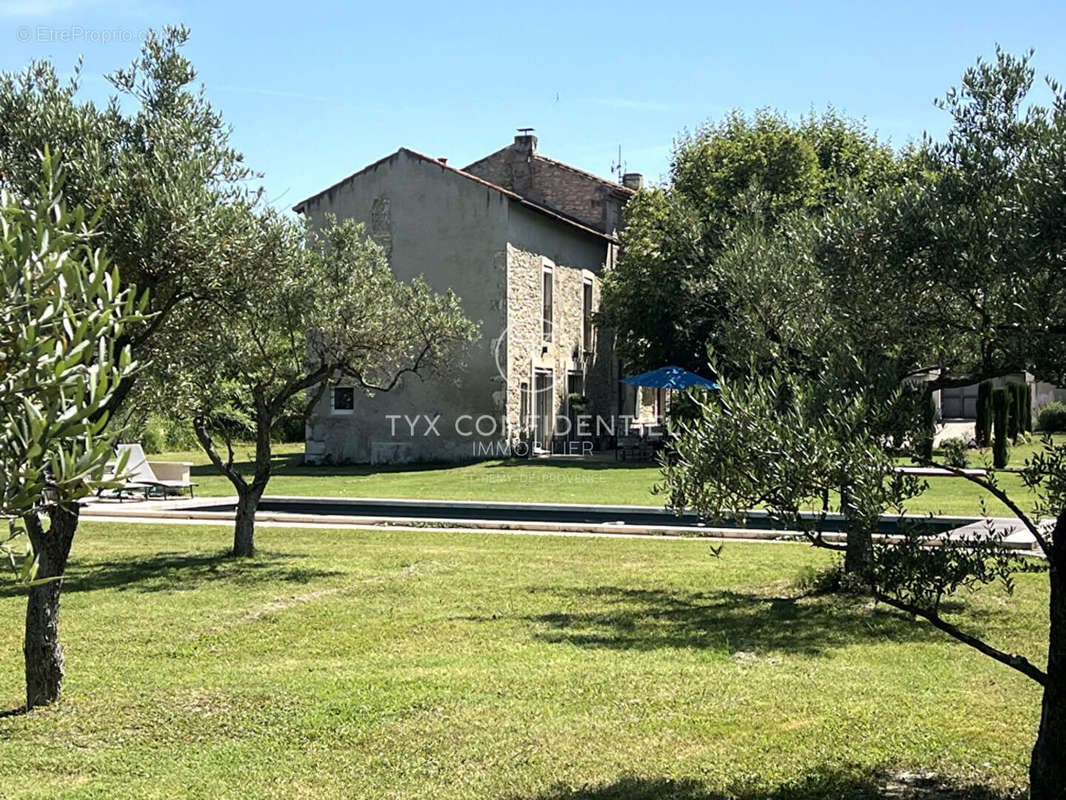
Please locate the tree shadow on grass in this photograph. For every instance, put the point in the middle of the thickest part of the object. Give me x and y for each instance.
(292, 464)
(620, 618)
(827, 784)
(598, 464)
(181, 571)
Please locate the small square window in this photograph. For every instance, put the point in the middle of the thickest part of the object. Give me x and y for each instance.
(341, 400)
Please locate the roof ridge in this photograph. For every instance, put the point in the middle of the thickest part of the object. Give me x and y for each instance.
(333, 186)
(469, 176)
(513, 195)
(462, 172)
(586, 173)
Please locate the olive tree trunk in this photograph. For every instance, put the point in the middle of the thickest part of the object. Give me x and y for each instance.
(859, 548)
(1047, 769)
(858, 551)
(249, 493)
(248, 497)
(41, 648)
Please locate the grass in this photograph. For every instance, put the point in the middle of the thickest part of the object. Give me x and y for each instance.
(957, 496)
(543, 481)
(445, 665)
(539, 481)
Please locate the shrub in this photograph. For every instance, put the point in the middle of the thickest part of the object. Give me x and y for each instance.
(1014, 410)
(929, 415)
(290, 428)
(1001, 402)
(1052, 417)
(955, 452)
(577, 402)
(153, 439)
(823, 580)
(161, 434)
(983, 429)
(1023, 407)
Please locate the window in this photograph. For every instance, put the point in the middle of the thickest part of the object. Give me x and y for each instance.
(546, 296)
(544, 410)
(575, 383)
(586, 311)
(523, 405)
(575, 393)
(341, 400)
(647, 402)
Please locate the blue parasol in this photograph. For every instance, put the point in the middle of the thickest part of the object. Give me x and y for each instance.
(670, 378)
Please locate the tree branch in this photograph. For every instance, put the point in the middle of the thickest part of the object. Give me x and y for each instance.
(396, 376)
(199, 426)
(1012, 660)
(295, 386)
(1000, 495)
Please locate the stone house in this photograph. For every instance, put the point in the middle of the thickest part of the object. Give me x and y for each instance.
(523, 240)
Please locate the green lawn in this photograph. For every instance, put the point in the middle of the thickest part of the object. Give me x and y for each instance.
(960, 497)
(444, 665)
(538, 481)
(543, 481)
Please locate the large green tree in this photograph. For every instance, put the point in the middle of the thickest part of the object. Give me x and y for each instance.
(155, 164)
(973, 242)
(676, 287)
(302, 309)
(953, 276)
(62, 314)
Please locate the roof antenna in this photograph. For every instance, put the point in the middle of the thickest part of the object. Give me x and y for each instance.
(619, 167)
(526, 131)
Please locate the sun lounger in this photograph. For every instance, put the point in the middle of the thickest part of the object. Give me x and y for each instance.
(140, 474)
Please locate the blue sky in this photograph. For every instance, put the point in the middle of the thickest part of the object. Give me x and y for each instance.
(315, 91)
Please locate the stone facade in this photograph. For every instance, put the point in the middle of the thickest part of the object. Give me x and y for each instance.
(645, 406)
(490, 244)
(565, 353)
(578, 194)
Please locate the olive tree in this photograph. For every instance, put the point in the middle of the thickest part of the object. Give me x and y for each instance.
(299, 310)
(154, 163)
(810, 450)
(954, 276)
(62, 313)
(960, 268)
(786, 444)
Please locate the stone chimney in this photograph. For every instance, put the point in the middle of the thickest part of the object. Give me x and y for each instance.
(633, 180)
(525, 141)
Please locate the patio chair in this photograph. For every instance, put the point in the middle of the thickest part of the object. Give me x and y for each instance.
(168, 477)
(631, 447)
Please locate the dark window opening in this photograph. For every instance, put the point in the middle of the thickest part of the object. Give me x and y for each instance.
(586, 310)
(547, 305)
(343, 398)
(523, 405)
